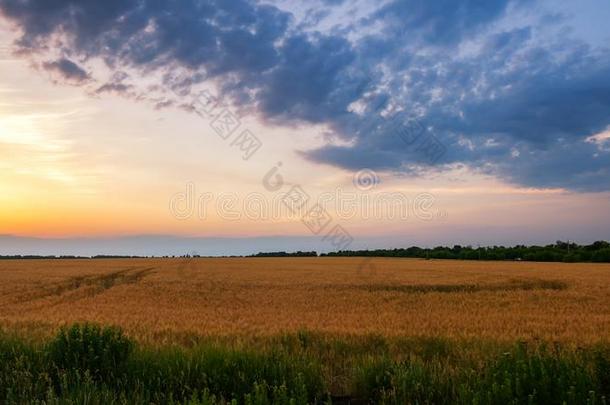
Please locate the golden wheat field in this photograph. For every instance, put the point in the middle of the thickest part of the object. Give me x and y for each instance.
(152, 298)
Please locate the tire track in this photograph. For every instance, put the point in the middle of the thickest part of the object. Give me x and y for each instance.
(83, 286)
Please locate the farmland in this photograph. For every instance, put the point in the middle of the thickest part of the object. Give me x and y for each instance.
(352, 327)
(151, 298)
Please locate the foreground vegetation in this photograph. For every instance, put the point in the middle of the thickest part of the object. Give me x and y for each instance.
(90, 364)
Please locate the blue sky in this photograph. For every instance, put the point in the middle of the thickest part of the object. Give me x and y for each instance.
(516, 93)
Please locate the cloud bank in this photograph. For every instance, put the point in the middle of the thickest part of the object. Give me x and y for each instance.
(515, 98)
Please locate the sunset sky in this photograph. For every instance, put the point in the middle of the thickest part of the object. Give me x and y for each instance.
(107, 129)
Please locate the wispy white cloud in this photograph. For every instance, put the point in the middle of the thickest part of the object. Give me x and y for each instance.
(34, 144)
(602, 140)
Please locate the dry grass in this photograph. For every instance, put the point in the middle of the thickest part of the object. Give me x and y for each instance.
(157, 298)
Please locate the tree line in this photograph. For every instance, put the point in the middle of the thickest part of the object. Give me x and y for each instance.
(597, 252)
(569, 252)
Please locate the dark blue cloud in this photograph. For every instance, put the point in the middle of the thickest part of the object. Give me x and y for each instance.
(67, 69)
(222, 35)
(308, 83)
(437, 22)
(505, 101)
(522, 113)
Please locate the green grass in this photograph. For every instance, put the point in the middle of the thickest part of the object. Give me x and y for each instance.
(89, 364)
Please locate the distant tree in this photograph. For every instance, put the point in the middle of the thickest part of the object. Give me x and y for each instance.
(601, 256)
